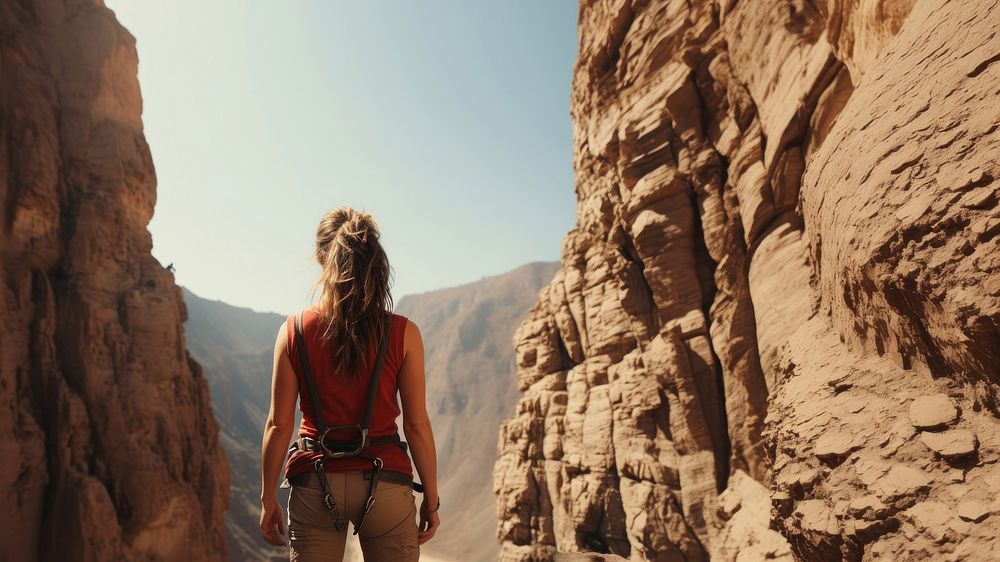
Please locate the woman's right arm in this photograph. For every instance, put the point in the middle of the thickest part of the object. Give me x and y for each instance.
(417, 426)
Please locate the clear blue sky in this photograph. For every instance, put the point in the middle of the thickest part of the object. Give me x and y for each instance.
(449, 120)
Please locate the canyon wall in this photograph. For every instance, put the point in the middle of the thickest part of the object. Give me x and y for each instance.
(109, 447)
(775, 333)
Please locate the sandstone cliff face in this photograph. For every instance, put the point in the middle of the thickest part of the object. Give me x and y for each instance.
(109, 447)
(775, 330)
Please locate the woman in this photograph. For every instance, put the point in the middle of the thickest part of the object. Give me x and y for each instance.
(344, 347)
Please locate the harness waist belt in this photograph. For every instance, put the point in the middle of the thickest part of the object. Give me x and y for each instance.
(311, 479)
(313, 445)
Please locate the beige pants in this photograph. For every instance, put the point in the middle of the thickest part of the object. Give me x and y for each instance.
(389, 533)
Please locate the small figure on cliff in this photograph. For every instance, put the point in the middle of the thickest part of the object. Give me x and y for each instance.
(170, 267)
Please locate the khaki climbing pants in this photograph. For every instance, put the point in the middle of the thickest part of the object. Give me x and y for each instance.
(389, 533)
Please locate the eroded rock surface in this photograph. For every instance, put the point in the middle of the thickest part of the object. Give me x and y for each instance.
(108, 446)
(775, 330)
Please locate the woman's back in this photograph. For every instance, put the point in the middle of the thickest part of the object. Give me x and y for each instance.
(336, 477)
(344, 397)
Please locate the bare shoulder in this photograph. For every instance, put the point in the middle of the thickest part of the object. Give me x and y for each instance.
(411, 328)
(281, 339)
(411, 336)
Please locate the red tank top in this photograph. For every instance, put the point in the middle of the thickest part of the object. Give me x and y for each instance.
(343, 398)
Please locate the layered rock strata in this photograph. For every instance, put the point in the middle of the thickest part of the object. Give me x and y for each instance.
(109, 447)
(775, 330)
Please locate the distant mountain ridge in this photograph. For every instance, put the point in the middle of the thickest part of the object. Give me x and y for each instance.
(235, 347)
(467, 331)
(468, 334)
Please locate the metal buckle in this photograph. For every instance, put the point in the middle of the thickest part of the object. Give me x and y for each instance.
(341, 454)
(375, 476)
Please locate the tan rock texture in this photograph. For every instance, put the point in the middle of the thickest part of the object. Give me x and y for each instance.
(787, 235)
(108, 446)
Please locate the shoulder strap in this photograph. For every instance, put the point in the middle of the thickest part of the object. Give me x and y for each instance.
(311, 381)
(308, 375)
(376, 376)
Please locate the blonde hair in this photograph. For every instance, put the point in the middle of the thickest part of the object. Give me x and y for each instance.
(356, 303)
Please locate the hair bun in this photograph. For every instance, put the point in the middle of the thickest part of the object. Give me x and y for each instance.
(359, 227)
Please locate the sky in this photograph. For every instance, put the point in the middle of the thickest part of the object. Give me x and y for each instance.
(447, 120)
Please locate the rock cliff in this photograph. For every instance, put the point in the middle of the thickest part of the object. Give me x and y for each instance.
(109, 447)
(775, 329)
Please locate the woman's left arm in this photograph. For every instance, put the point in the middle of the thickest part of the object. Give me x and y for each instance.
(277, 434)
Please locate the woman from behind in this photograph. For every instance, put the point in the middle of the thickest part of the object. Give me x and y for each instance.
(348, 358)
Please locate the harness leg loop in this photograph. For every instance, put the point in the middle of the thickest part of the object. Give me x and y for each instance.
(376, 470)
(328, 501)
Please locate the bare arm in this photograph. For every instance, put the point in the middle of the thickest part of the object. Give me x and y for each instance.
(278, 432)
(417, 426)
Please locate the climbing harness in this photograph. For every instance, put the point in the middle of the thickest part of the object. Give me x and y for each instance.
(344, 449)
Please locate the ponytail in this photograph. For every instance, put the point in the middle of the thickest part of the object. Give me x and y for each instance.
(356, 303)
